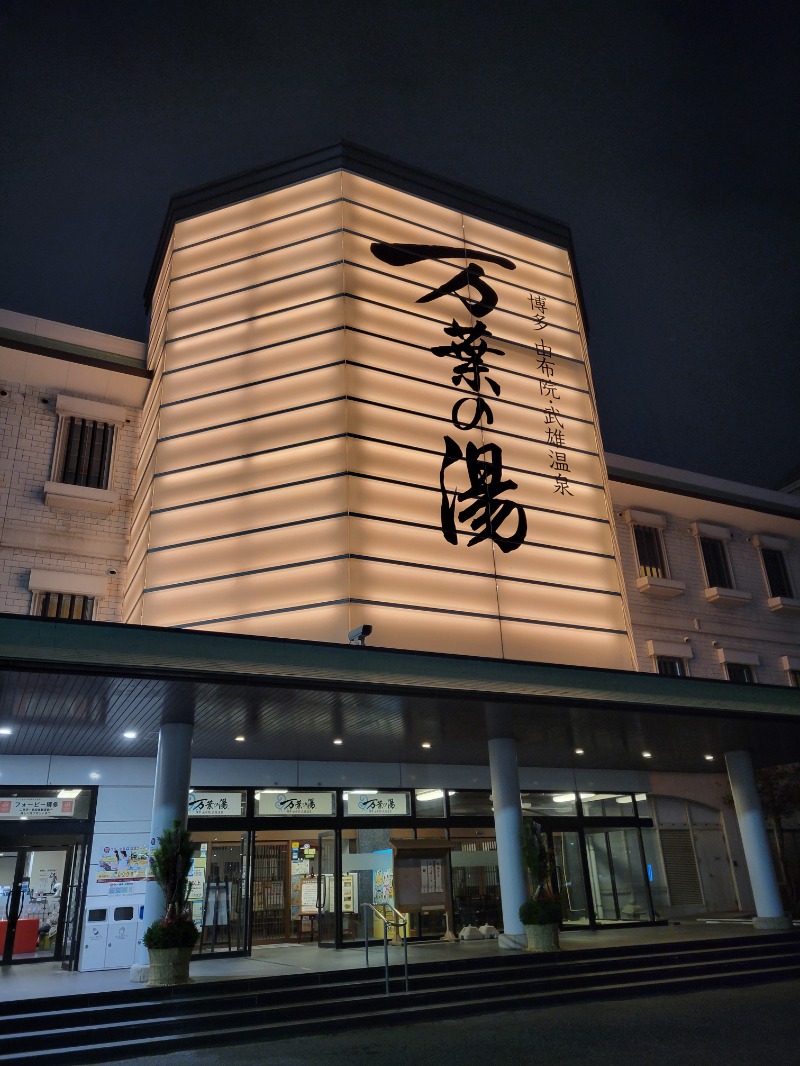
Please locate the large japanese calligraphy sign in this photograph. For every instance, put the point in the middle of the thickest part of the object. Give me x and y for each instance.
(369, 407)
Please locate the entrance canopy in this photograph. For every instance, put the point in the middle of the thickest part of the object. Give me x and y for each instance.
(74, 689)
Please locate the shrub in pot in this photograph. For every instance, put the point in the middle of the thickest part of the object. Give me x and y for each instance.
(541, 914)
(170, 939)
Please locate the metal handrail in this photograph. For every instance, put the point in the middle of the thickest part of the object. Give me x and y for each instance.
(400, 921)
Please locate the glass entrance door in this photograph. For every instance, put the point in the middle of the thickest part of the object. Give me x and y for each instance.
(32, 901)
(328, 866)
(617, 876)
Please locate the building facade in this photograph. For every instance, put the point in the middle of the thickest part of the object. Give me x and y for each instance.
(344, 530)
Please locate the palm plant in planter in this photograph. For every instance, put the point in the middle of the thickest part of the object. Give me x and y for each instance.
(541, 914)
(170, 939)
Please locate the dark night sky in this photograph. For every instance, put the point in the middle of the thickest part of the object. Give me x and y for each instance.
(665, 133)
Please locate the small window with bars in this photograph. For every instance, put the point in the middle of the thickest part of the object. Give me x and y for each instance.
(777, 573)
(86, 451)
(64, 605)
(716, 563)
(740, 673)
(668, 666)
(650, 551)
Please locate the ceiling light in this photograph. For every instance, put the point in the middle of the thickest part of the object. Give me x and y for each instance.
(130, 734)
(426, 743)
(95, 776)
(239, 738)
(427, 795)
(646, 755)
(709, 758)
(338, 741)
(579, 751)
(5, 731)
(68, 793)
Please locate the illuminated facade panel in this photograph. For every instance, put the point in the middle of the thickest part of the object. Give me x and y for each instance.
(374, 408)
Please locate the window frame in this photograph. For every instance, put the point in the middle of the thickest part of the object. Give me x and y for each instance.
(748, 673)
(779, 556)
(722, 564)
(654, 534)
(41, 600)
(73, 446)
(681, 664)
(69, 495)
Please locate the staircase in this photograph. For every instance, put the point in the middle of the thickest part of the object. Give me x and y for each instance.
(107, 1026)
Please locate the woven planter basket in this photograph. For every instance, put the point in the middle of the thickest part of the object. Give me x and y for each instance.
(169, 966)
(542, 937)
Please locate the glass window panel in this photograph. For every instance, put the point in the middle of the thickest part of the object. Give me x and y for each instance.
(777, 572)
(715, 560)
(567, 847)
(553, 804)
(650, 551)
(87, 453)
(475, 878)
(740, 673)
(430, 802)
(219, 897)
(464, 803)
(669, 667)
(608, 805)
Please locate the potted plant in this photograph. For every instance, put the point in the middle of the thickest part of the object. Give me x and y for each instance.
(170, 939)
(541, 914)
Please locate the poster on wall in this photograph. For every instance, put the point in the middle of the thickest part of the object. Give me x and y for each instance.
(123, 862)
(47, 872)
(308, 896)
(383, 881)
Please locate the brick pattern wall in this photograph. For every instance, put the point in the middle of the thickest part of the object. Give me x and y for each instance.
(34, 536)
(751, 627)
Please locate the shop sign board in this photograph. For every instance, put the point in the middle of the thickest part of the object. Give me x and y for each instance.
(215, 804)
(382, 804)
(287, 803)
(36, 807)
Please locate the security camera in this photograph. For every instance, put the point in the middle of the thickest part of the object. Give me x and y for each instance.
(685, 640)
(359, 634)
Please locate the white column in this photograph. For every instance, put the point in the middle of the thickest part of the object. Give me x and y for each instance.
(170, 803)
(757, 853)
(508, 832)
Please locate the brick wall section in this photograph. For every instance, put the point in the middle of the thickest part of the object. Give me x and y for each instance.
(33, 536)
(751, 627)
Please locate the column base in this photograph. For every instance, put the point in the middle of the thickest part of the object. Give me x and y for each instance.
(773, 924)
(512, 942)
(140, 973)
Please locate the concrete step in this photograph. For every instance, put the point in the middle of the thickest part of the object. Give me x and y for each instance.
(108, 1025)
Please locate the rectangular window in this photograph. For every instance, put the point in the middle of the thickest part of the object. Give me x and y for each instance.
(794, 678)
(650, 551)
(669, 667)
(65, 605)
(87, 450)
(715, 561)
(740, 673)
(777, 573)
